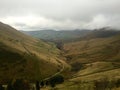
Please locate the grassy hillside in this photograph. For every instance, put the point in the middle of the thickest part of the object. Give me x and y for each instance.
(94, 54)
(97, 49)
(102, 33)
(22, 56)
(95, 64)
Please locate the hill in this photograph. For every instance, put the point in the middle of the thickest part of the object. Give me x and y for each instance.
(94, 50)
(64, 36)
(94, 60)
(102, 33)
(22, 56)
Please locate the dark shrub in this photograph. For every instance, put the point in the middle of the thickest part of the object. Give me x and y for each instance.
(117, 83)
(1, 87)
(76, 67)
(37, 85)
(101, 85)
(58, 79)
(47, 82)
(21, 85)
(10, 87)
(42, 83)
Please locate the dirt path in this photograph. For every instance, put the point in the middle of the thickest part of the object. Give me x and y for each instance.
(59, 61)
(61, 70)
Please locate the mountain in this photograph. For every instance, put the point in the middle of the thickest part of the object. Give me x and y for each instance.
(102, 33)
(64, 36)
(57, 36)
(22, 56)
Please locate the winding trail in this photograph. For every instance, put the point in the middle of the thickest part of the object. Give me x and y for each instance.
(61, 70)
(59, 61)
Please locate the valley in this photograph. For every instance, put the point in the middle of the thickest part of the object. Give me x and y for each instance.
(59, 45)
(90, 61)
(93, 57)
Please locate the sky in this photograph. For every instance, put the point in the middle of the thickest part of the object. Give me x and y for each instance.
(60, 14)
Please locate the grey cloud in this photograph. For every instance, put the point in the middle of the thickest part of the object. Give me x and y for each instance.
(61, 13)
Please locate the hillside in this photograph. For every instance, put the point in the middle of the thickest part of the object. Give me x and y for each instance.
(94, 60)
(94, 50)
(101, 33)
(22, 56)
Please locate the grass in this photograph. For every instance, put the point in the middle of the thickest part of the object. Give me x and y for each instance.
(96, 67)
(99, 49)
(100, 59)
(91, 60)
(22, 56)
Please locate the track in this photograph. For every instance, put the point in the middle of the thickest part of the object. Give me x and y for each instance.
(61, 70)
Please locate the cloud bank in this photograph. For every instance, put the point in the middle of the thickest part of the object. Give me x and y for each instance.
(60, 14)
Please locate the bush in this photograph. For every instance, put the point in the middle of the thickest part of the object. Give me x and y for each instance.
(106, 84)
(58, 79)
(1, 87)
(19, 85)
(117, 83)
(76, 67)
(42, 83)
(37, 85)
(101, 85)
(47, 82)
(10, 87)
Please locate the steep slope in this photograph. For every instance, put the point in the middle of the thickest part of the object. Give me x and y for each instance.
(22, 56)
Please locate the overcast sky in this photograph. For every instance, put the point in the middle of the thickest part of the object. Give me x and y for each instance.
(60, 14)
